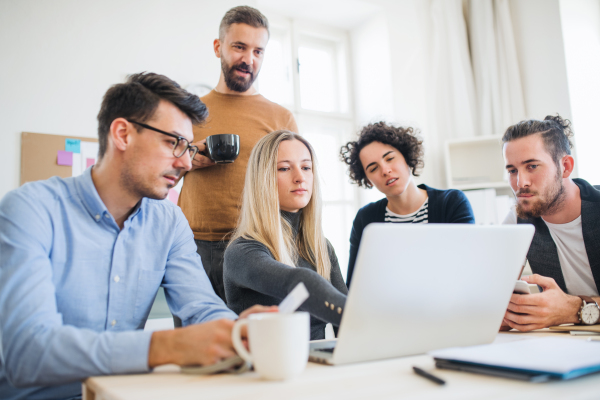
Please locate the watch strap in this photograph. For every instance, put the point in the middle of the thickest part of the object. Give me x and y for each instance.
(588, 299)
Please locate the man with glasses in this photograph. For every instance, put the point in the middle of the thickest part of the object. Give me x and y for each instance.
(211, 194)
(83, 257)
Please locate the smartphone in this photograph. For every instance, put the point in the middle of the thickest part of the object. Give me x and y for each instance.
(522, 287)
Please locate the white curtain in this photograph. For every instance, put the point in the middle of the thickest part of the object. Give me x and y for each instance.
(495, 66)
(476, 84)
(454, 105)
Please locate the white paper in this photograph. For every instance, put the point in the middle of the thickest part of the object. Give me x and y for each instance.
(88, 150)
(76, 168)
(294, 299)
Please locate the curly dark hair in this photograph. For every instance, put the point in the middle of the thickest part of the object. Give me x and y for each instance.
(555, 131)
(405, 139)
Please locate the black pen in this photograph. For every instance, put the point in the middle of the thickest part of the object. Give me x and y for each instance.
(427, 375)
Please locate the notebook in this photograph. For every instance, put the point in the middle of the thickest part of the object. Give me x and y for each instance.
(546, 358)
(583, 328)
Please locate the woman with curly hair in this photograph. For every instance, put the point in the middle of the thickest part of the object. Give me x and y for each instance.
(387, 157)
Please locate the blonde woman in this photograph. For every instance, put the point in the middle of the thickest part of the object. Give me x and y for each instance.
(279, 241)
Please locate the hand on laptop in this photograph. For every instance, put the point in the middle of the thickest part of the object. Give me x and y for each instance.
(527, 312)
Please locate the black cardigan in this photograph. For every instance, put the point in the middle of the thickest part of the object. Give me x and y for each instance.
(543, 254)
(445, 206)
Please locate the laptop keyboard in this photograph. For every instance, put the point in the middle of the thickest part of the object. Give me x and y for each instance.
(327, 350)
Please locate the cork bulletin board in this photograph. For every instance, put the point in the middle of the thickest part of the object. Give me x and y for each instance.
(39, 156)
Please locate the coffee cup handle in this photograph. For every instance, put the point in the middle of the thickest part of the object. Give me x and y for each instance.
(236, 338)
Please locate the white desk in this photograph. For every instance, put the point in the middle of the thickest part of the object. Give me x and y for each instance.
(374, 380)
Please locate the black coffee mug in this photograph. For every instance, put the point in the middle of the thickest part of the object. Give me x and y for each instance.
(223, 148)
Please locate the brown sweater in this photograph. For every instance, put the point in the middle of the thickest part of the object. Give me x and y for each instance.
(211, 197)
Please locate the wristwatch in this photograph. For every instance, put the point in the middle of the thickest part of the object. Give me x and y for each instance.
(590, 312)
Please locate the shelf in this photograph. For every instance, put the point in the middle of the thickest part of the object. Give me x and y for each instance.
(475, 163)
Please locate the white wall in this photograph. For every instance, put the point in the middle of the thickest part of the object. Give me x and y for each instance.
(394, 86)
(59, 57)
(374, 98)
(581, 28)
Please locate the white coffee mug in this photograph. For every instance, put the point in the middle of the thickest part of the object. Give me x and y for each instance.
(278, 343)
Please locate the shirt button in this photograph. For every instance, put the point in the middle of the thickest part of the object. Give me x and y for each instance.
(97, 217)
(114, 322)
(117, 279)
(106, 216)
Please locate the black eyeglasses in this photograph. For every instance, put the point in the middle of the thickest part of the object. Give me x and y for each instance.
(181, 145)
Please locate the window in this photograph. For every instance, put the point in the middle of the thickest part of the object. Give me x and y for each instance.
(305, 70)
(317, 72)
(278, 85)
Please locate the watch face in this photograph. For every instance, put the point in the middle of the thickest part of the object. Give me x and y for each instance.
(590, 314)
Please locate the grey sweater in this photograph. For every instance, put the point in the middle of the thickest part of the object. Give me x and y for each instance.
(252, 276)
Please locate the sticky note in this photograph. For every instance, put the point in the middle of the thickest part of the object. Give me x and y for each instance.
(73, 145)
(173, 195)
(64, 158)
(89, 162)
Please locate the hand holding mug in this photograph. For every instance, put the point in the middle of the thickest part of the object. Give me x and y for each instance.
(200, 160)
(216, 149)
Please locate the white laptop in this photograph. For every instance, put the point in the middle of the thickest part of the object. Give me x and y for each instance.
(418, 288)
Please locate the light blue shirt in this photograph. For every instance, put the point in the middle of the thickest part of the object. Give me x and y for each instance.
(75, 290)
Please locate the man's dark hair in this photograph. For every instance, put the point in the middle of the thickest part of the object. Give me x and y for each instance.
(138, 98)
(555, 131)
(242, 15)
(404, 139)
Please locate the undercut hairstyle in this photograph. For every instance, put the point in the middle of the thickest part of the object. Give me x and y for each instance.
(138, 98)
(243, 15)
(404, 139)
(555, 131)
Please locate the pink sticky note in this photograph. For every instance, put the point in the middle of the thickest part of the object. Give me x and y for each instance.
(64, 158)
(173, 195)
(89, 162)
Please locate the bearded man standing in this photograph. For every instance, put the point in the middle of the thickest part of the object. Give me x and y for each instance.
(211, 194)
(565, 251)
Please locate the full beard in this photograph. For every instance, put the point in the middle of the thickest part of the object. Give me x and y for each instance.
(234, 82)
(551, 202)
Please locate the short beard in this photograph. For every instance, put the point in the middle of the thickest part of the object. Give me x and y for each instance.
(137, 188)
(552, 201)
(236, 83)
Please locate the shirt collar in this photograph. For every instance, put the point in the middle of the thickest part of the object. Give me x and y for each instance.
(91, 199)
(89, 195)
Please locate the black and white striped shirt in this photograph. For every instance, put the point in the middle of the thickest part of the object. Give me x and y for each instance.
(420, 216)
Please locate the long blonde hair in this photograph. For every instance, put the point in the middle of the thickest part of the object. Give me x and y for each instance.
(261, 220)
